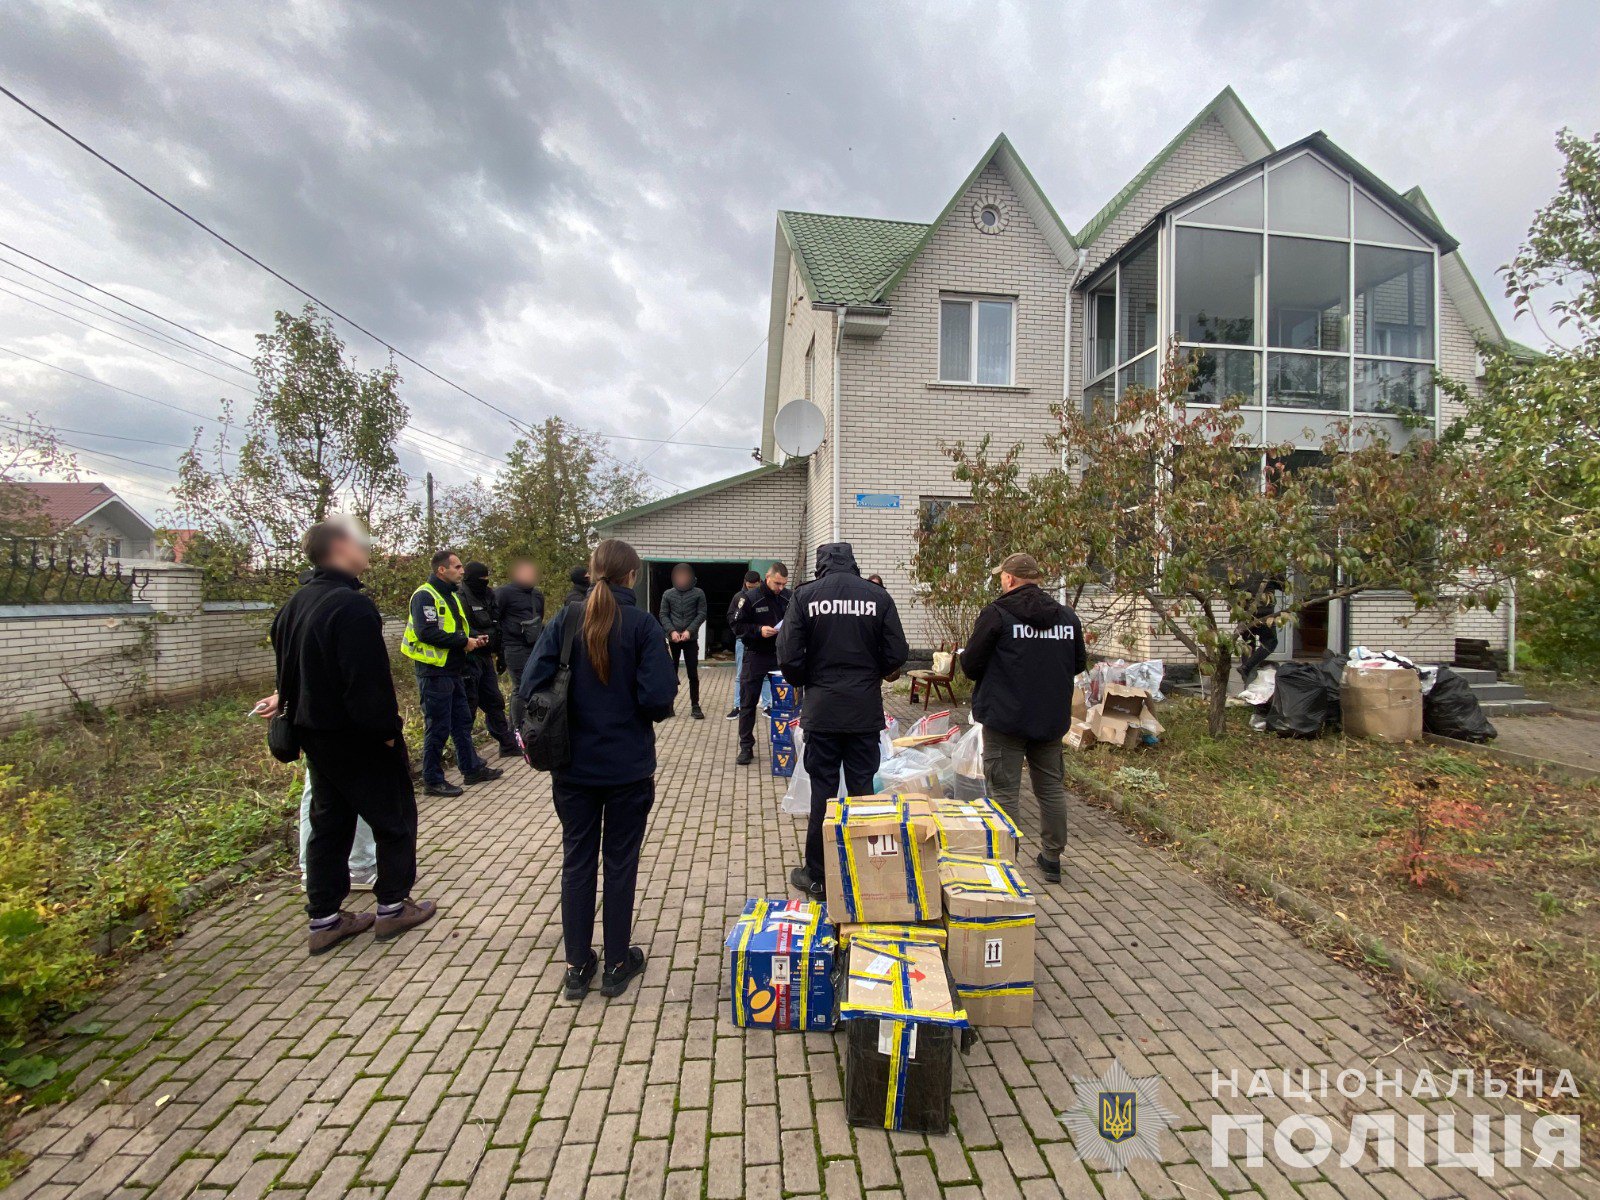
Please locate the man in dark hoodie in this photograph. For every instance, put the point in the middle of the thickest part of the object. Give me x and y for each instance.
(579, 591)
(683, 611)
(520, 607)
(481, 676)
(1025, 651)
(841, 639)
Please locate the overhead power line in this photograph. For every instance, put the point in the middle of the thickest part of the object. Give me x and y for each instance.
(124, 300)
(710, 398)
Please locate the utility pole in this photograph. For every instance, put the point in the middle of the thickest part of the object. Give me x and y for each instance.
(431, 546)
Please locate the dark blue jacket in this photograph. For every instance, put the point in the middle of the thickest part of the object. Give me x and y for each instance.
(612, 724)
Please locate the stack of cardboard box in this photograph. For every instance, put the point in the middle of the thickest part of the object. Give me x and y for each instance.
(783, 712)
(990, 917)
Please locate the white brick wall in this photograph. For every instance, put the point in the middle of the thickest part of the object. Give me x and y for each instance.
(755, 519)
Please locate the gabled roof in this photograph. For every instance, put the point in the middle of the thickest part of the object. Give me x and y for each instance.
(858, 260)
(1320, 144)
(1234, 117)
(843, 260)
(705, 489)
(65, 504)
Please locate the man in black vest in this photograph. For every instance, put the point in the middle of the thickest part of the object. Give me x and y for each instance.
(841, 640)
(756, 617)
(1025, 651)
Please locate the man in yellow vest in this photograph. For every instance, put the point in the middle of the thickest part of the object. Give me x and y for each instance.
(437, 641)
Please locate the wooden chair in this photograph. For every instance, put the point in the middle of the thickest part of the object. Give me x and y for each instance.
(931, 683)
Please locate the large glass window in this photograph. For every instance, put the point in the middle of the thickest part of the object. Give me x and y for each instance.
(1218, 286)
(1136, 303)
(1308, 287)
(1319, 314)
(975, 341)
(1103, 329)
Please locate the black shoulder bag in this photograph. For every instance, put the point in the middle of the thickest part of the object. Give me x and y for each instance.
(545, 737)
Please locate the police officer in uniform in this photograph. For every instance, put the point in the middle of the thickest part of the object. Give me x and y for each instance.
(438, 639)
(841, 640)
(1025, 651)
(756, 617)
(481, 675)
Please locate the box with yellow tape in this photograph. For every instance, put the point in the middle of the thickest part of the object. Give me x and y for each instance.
(882, 859)
(927, 931)
(781, 960)
(979, 827)
(903, 1026)
(991, 918)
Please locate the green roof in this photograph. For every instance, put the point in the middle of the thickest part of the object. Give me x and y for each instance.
(1097, 223)
(705, 489)
(846, 259)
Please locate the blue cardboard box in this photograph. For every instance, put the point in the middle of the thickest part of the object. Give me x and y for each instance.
(780, 955)
(783, 761)
(783, 694)
(783, 729)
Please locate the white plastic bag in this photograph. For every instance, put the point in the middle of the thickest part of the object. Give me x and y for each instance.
(1146, 675)
(966, 752)
(931, 725)
(1260, 689)
(797, 799)
(913, 770)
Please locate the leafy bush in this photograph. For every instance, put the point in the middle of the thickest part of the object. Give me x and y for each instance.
(1558, 623)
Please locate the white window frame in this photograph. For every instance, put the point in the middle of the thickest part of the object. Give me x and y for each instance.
(972, 300)
(1264, 352)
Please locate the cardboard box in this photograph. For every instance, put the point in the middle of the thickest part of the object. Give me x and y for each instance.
(932, 932)
(781, 966)
(1123, 713)
(1079, 736)
(1382, 702)
(783, 761)
(979, 827)
(991, 917)
(784, 698)
(903, 1027)
(1080, 704)
(781, 730)
(881, 855)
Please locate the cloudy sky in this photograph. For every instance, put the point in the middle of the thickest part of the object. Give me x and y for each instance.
(568, 208)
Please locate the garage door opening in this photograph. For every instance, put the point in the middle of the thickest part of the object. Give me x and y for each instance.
(720, 581)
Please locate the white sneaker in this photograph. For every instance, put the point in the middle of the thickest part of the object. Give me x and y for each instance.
(363, 881)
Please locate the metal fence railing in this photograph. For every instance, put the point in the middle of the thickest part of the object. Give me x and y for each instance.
(40, 571)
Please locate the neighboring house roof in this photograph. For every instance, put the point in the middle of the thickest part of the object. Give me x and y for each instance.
(1234, 117)
(844, 260)
(704, 489)
(65, 504)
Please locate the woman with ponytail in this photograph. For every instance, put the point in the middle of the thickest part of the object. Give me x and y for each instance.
(623, 682)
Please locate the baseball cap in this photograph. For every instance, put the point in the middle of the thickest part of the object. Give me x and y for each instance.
(1023, 566)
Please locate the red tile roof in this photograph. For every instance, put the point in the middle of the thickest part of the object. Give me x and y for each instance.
(65, 503)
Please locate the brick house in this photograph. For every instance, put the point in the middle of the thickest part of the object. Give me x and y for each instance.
(1294, 276)
(105, 522)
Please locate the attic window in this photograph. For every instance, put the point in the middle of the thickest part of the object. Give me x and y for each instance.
(990, 215)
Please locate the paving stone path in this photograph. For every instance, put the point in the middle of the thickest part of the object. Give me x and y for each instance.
(1565, 740)
(444, 1064)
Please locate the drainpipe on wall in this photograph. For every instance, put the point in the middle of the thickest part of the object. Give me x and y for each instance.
(1511, 628)
(838, 341)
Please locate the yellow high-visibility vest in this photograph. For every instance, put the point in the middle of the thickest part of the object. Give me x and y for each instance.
(451, 618)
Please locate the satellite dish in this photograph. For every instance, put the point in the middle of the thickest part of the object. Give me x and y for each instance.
(798, 428)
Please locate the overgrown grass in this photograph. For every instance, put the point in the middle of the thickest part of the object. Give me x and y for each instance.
(1490, 873)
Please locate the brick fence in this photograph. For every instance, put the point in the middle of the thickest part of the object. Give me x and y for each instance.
(167, 643)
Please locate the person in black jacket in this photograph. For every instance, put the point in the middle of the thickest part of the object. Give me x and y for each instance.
(841, 640)
(337, 689)
(683, 611)
(579, 591)
(752, 581)
(520, 606)
(621, 683)
(1025, 651)
(481, 675)
(756, 617)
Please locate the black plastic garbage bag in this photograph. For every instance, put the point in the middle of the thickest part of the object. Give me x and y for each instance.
(1451, 709)
(1332, 669)
(1299, 706)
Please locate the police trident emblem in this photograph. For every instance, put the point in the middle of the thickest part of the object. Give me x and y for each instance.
(1117, 1119)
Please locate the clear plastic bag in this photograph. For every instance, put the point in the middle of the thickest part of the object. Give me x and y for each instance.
(913, 770)
(1147, 675)
(931, 725)
(1101, 674)
(797, 798)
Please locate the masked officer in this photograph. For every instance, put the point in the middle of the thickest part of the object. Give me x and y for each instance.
(520, 607)
(841, 640)
(1025, 651)
(437, 639)
(481, 675)
(756, 616)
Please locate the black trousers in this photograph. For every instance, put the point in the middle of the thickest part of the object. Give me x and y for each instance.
(826, 754)
(690, 653)
(517, 657)
(756, 665)
(1263, 641)
(483, 693)
(354, 774)
(598, 822)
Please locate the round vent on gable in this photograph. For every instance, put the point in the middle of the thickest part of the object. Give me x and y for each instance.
(990, 214)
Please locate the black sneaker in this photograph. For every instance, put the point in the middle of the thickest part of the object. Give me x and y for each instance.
(731, 713)
(442, 789)
(746, 757)
(510, 751)
(1051, 869)
(801, 881)
(615, 981)
(697, 712)
(484, 774)
(578, 978)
